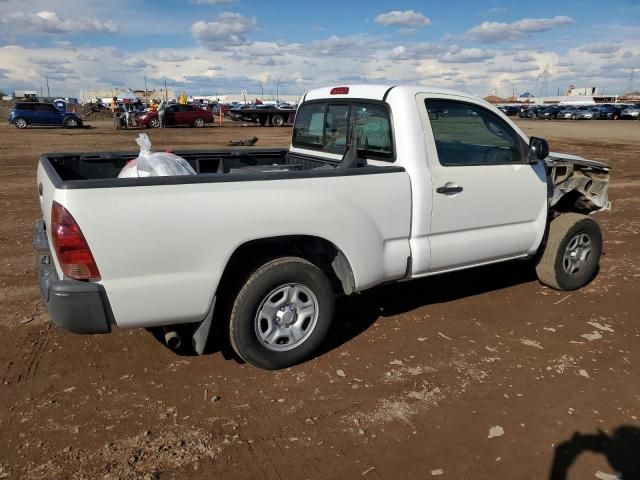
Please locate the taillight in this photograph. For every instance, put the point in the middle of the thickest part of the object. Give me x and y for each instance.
(71, 247)
(339, 91)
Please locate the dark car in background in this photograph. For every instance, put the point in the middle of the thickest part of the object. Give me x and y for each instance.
(24, 114)
(509, 110)
(550, 113)
(531, 112)
(609, 112)
(176, 114)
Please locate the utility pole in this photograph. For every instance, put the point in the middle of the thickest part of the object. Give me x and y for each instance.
(261, 91)
(630, 87)
(277, 91)
(146, 95)
(166, 95)
(48, 91)
(545, 80)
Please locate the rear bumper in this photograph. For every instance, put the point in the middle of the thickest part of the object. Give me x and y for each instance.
(79, 307)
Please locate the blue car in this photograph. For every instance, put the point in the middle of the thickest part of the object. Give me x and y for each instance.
(32, 113)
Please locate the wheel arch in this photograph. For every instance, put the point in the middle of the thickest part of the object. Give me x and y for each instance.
(319, 251)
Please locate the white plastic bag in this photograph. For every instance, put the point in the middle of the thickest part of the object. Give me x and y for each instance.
(158, 164)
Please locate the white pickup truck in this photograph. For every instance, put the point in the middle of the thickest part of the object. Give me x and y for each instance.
(380, 184)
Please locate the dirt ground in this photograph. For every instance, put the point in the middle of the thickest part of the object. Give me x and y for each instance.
(478, 375)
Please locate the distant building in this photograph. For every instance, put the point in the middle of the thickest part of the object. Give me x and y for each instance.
(585, 91)
(494, 99)
(91, 95)
(29, 94)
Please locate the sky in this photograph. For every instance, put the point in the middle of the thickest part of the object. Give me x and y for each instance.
(225, 46)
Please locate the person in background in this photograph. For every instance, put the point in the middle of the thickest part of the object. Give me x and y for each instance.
(161, 111)
(114, 104)
(127, 115)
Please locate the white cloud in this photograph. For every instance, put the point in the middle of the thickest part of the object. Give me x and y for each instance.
(513, 69)
(228, 29)
(406, 17)
(466, 55)
(134, 63)
(499, 31)
(47, 61)
(523, 58)
(49, 22)
(611, 47)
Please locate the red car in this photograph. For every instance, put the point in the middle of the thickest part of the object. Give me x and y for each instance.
(176, 115)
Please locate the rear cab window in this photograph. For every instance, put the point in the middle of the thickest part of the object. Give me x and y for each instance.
(327, 127)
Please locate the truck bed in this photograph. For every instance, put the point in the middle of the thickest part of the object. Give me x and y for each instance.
(101, 169)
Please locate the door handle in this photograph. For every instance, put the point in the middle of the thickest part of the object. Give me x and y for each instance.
(449, 189)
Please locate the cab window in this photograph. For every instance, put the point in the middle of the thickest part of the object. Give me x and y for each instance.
(467, 134)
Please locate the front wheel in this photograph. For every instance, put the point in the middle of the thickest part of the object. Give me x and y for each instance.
(154, 123)
(571, 255)
(20, 123)
(198, 122)
(70, 123)
(282, 313)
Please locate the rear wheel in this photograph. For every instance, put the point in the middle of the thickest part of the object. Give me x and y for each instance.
(281, 314)
(616, 116)
(154, 123)
(571, 255)
(277, 120)
(20, 122)
(198, 122)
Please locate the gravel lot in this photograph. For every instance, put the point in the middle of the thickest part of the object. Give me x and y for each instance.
(483, 374)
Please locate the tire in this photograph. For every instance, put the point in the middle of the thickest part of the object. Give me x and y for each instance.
(20, 123)
(262, 119)
(70, 123)
(616, 116)
(571, 255)
(277, 120)
(154, 123)
(198, 122)
(266, 308)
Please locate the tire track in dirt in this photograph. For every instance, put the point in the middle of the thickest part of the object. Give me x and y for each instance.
(25, 368)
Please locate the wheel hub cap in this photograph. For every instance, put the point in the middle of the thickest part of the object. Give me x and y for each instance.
(577, 254)
(286, 317)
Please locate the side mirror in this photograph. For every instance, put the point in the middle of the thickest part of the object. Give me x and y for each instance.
(538, 149)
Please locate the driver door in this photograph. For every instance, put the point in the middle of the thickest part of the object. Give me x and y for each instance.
(489, 204)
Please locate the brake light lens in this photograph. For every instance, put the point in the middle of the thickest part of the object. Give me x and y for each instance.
(72, 250)
(339, 91)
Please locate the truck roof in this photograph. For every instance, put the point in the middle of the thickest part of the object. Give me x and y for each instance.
(378, 92)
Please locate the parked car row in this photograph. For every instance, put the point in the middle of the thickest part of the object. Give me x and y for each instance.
(574, 112)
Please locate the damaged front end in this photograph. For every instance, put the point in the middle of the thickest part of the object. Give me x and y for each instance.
(577, 184)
